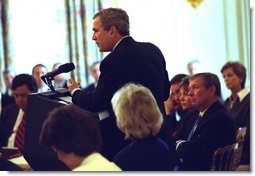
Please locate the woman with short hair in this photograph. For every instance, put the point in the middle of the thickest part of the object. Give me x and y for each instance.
(139, 118)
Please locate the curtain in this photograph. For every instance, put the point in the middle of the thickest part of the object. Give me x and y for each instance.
(5, 42)
(1, 44)
(237, 33)
(81, 51)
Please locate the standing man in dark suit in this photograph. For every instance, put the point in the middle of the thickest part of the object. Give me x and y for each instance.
(128, 61)
(214, 127)
(12, 115)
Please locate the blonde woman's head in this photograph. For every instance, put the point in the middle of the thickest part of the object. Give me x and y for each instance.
(137, 112)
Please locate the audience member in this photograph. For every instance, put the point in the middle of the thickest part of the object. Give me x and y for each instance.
(238, 103)
(7, 97)
(174, 111)
(128, 61)
(140, 119)
(95, 73)
(194, 66)
(213, 128)
(190, 113)
(37, 71)
(13, 117)
(74, 135)
(59, 80)
(8, 76)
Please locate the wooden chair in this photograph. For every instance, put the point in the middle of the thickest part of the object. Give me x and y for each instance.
(227, 158)
(223, 158)
(240, 134)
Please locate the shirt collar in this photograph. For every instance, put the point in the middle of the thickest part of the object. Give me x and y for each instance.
(203, 112)
(242, 94)
(119, 42)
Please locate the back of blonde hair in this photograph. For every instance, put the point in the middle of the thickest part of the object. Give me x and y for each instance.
(137, 112)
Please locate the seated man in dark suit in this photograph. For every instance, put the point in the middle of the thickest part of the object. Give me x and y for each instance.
(12, 121)
(95, 73)
(213, 128)
(7, 97)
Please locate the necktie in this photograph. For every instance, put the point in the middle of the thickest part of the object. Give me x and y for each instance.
(194, 128)
(19, 139)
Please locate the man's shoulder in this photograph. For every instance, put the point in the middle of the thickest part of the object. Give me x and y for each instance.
(90, 87)
(217, 110)
(130, 43)
(11, 107)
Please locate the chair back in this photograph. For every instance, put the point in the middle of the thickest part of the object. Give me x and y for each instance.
(227, 158)
(240, 134)
(223, 157)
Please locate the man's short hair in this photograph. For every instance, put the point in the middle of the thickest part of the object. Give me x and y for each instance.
(177, 78)
(24, 79)
(114, 17)
(38, 65)
(209, 79)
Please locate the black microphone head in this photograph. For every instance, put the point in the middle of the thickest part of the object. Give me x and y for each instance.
(66, 67)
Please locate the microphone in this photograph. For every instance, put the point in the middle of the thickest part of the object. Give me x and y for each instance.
(65, 68)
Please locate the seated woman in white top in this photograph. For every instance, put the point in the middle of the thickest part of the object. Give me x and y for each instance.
(74, 135)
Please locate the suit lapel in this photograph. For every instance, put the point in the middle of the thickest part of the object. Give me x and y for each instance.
(10, 121)
(206, 117)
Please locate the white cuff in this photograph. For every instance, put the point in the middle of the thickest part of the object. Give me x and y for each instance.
(74, 90)
(178, 143)
(103, 115)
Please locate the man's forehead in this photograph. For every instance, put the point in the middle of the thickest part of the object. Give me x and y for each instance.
(97, 21)
(196, 81)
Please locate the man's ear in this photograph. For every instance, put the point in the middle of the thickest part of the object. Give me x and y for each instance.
(212, 90)
(113, 31)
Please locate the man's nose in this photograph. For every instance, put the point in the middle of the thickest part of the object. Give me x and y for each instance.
(93, 37)
(190, 93)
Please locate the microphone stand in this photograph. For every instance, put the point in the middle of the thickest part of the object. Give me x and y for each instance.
(53, 94)
(48, 81)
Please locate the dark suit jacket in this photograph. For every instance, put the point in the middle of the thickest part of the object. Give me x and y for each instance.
(7, 122)
(171, 125)
(7, 100)
(90, 87)
(185, 125)
(150, 154)
(216, 129)
(131, 61)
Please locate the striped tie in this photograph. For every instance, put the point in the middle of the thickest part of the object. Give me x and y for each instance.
(19, 139)
(194, 128)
